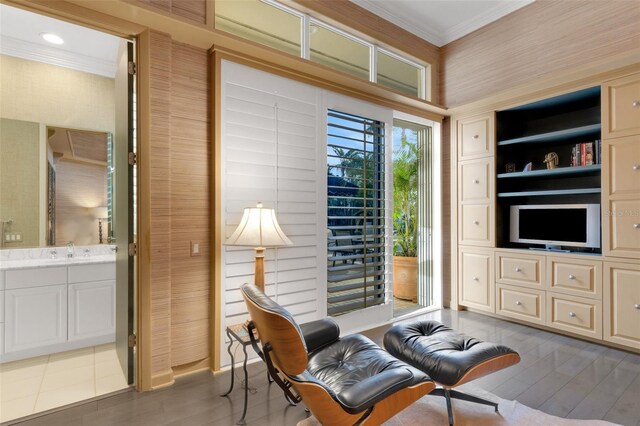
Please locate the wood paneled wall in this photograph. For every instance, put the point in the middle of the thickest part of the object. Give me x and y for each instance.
(160, 206)
(180, 206)
(538, 40)
(194, 10)
(190, 204)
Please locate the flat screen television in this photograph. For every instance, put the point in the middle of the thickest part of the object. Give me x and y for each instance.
(565, 225)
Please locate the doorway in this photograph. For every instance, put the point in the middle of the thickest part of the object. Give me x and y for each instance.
(412, 217)
(66, 205)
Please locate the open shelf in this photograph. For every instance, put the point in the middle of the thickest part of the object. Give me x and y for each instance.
(557, 136)
(549, 192)
(566, 171)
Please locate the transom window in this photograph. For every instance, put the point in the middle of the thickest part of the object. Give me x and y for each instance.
(283, 28)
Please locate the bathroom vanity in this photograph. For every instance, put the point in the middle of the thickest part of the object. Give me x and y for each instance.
(53, 303)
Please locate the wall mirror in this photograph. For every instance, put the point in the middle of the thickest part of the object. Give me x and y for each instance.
(55, 185)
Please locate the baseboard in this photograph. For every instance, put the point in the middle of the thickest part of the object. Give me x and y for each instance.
(190, 368)
(162, 380)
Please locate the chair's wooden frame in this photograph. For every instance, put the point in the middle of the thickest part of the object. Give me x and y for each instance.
(288, 354)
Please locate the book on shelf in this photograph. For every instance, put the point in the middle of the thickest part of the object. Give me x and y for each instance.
(586, 153)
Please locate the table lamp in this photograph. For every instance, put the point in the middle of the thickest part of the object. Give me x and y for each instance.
(100, 213)
(259, 228)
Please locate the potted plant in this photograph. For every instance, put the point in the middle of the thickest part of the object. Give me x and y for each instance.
(405, 215)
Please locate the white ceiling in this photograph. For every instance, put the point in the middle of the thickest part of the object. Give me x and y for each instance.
(83, 49)
(441, 21)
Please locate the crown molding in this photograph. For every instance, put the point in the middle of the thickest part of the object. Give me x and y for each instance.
(35, 52)
(431, 36)
(440, 38)
(479, 21)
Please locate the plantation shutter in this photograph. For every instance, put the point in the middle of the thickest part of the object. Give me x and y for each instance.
(355, 212)
(269, 135)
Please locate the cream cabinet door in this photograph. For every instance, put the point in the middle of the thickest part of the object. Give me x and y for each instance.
(621, 107)
(621, 228)
(476, 279)
(476, 224)
(475, 181)
(621, 174)
(476, 137)
(621, 301)
(35, 317)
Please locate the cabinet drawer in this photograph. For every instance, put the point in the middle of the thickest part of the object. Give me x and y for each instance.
(621, 304)
(575, 314)
(623, 228)
(476, 137)
(520, 270)
(93, 272)
(476, 279)
(574, 276)
(621, 107)
(622, 158)
(1, 307)
(476, 181)
(475, 224)
(520, 303)
(36, 277)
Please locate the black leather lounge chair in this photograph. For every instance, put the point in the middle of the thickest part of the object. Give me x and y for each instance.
(343, 381)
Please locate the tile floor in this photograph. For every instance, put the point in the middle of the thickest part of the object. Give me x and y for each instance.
(45, 382)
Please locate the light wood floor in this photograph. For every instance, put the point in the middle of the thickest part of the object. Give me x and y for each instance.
(559, 375)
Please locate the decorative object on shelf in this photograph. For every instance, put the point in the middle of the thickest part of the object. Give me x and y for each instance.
(528, 167)
(551, 160)
(101, 214)
(510, 167)
(259, 228)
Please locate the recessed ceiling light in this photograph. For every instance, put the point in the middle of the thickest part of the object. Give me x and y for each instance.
(52, 38)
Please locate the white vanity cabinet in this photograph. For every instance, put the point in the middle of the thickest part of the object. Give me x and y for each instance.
(92, 292)
(35, 316)
(57, 308)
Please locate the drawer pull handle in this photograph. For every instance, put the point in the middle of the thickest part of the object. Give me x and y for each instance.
(572, 314)
(518, 269)
(477, 181)
(475, 136)
(572, 277)
(476, 279)
(636, 226)
(518, 302)
(475, 222)
(636, 167)
(636, 104)
(637, 306)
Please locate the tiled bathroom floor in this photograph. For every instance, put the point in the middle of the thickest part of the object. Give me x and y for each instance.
(38, 384)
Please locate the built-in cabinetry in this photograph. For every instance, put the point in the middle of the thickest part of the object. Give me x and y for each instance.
(57, 308)
(584, 292)
(622, 303)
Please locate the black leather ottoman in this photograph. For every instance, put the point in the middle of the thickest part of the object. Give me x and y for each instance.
(448, 357)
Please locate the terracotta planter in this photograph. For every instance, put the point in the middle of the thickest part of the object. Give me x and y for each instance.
(405, 278)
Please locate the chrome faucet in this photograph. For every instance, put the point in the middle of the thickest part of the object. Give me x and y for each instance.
(70, 249)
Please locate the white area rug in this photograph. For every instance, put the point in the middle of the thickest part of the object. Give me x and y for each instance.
(432, 410)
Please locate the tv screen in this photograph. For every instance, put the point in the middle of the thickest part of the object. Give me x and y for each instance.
(571, 225)
(568, 225)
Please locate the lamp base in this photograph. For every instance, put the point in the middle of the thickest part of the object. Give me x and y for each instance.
(259, 272)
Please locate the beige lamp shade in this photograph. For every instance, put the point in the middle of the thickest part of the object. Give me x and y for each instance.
(258, 228)
(100, 212)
